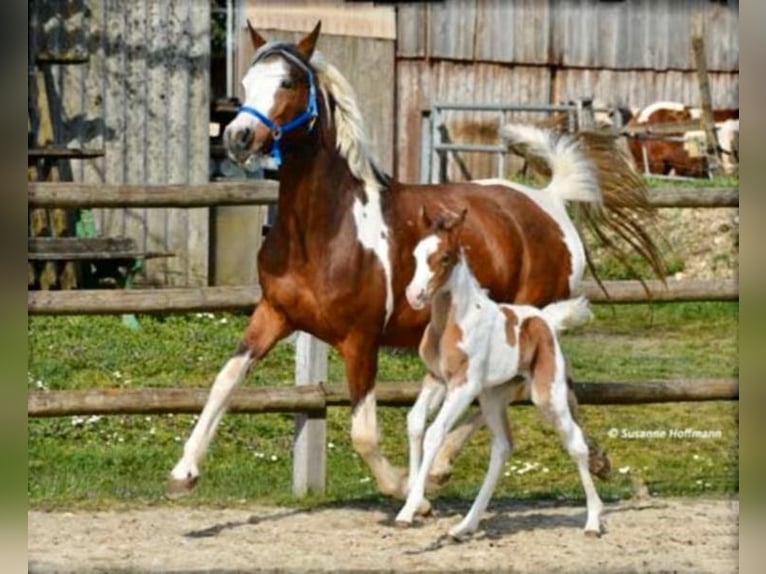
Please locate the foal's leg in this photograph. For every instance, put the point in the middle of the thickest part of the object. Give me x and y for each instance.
(441, 471)
(598, 460)
(494, 402)
(430, 397)
(266, 327)
(458, 398)
(549, 393)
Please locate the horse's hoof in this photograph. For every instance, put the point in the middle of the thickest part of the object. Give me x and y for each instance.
(402, 524)
(593, 533)
(179, 487)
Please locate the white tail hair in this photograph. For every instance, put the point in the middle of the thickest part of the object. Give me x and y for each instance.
(573, 174)
(568, 314)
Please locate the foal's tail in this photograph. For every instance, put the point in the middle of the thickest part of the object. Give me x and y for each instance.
(567, 314)
(573, 177)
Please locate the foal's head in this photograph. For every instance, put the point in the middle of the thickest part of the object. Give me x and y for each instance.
(280, 97)
(435, 256)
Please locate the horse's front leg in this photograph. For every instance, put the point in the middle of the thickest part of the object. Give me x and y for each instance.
(429, 399)
(360, 356)
(267, 326)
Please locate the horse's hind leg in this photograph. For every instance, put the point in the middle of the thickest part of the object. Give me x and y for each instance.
(441, 470)
(494, 404)
(598, 461)
(549, 394)
(266, 327)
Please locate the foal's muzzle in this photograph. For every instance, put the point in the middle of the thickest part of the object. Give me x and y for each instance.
(416, 297)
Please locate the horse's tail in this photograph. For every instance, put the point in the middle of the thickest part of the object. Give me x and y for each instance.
(572, 175)
(568, 313)
(612, 199)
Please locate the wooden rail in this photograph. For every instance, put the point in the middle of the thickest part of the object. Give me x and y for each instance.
(89, 195)
(317, 397)
(115, 301)
(263, 192)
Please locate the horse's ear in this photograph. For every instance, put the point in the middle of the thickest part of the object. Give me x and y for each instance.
(306, 45)
(461, 218)
(425, 220)
(255, 37)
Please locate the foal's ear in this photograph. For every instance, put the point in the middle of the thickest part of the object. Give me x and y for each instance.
(306, 45)
(255, 37)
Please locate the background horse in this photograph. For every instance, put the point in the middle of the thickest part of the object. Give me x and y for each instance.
(339, 255)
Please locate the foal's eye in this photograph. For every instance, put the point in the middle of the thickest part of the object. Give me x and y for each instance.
(287, 83)
(444, 260)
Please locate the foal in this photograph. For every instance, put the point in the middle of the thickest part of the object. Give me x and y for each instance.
(473, 348)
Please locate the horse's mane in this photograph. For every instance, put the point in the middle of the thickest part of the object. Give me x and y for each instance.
(349, 125)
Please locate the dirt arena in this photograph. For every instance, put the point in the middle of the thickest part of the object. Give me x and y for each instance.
(652, 535)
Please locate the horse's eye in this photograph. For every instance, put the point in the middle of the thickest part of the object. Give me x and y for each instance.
(287, 83)
(444, 261)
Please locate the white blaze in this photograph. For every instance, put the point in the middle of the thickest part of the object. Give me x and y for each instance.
(260, 83)
(418, 286)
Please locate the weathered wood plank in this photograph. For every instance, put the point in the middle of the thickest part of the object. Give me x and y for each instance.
(90, 302)
(316, 397)
(264, 192)
(622, 292)
(695, 197)
(117, 301)
(75, 194)
(79, 244)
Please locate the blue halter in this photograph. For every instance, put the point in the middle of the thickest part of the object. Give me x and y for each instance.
(306, 117)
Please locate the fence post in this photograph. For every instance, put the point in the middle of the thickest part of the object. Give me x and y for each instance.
(309, 461)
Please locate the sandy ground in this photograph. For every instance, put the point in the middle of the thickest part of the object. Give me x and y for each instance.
(652, 535)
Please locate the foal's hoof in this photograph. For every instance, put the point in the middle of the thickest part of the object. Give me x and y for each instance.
(593, 533)
(425, 508)
(402, 524)
(179, 487)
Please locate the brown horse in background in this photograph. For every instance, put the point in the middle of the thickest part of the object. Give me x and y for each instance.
(339, 255)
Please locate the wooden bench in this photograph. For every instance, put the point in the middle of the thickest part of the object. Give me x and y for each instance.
(104, 261)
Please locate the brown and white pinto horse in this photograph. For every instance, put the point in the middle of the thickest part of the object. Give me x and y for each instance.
(339, 255)
(476, 348)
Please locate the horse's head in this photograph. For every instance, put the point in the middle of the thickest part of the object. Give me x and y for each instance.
(280, 97)
(435, 256)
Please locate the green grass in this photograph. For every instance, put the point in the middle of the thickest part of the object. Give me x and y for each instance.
(97, 462)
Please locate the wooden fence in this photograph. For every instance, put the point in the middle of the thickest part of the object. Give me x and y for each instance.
(312, 396)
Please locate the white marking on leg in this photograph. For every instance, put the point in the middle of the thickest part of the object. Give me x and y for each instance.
(364, 437)
(373, 233)
(574, 442)
(493, 403)
(455, 404)
(229, 377)
(430, 397)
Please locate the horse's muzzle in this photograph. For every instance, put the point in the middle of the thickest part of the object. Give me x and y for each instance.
(238, 141)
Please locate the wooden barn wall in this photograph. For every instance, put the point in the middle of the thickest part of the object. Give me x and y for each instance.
(143, 97)
(535, 52)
